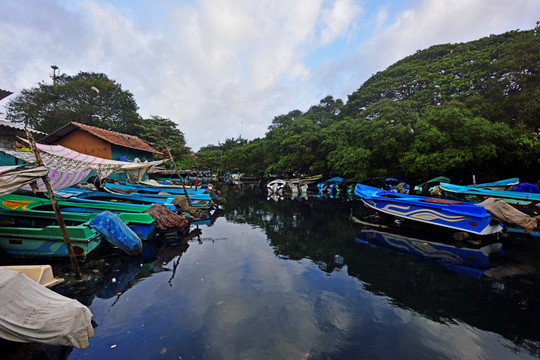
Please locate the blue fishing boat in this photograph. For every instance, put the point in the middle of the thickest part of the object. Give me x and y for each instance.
(462, 216)
(468, 261)
(519, 200)
(505, 184)
(198, 199)
(154, 189)
(102, 197)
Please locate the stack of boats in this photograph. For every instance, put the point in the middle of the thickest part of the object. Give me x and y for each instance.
(125, 215)
(479, 209)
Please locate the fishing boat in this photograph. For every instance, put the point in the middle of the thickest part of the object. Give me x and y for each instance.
(108, 225)
(462, 216)
(197, 198)
(276, 187)
(32, 313)
(468, 261)
(506, 184)
(133, 215)
(32, 236)
(426, 187)
(520, 200)
(102, 197)
(42, 274)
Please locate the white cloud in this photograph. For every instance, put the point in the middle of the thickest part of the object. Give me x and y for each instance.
(338, 19)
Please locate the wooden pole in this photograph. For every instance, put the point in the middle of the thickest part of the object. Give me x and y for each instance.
(57, 212)
(179, 176)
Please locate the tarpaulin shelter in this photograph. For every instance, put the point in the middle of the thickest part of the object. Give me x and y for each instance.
(76, 166)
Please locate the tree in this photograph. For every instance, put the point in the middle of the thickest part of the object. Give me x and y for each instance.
(88, 98)
(449, 140)
(162, 134)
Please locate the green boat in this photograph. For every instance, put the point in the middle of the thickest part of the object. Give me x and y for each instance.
(32, 235)
(141, 223)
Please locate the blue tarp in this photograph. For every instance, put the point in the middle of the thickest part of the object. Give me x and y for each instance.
(114, 230)
(526, 187)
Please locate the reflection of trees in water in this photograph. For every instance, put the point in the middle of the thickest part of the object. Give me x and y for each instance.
(319, 229)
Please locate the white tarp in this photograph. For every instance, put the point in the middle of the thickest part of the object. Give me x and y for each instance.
(14, 177)
(30, 312)
(66, 160)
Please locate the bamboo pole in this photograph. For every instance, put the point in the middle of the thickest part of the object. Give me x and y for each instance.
(179, 176)
(57, 212)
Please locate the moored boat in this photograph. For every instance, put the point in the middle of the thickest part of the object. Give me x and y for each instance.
(42, 274)
(197, 199)
(133, 215)
(90, 196)
(30, 312)
(519, 200)
(462, 216)
(23, 240)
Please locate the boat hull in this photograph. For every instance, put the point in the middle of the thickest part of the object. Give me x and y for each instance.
(141, 223)
(48, 242)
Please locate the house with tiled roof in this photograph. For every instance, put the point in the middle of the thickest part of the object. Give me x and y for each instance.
(99, 142)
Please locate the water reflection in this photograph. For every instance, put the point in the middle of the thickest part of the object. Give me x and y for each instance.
(319, 230)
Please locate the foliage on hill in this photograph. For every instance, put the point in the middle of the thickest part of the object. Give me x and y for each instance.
(452, 109)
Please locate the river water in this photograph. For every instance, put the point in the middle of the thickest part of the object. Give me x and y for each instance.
(287, 279)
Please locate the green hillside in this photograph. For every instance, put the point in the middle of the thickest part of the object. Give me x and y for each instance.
(453, 109)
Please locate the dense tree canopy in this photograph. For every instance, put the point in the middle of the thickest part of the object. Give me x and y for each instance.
(452, 109)
(88, 98)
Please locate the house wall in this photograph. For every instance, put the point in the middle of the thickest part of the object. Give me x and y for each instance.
(7, 141)
(118, 152)
(86, 143)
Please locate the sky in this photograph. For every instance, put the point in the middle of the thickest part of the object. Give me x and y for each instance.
(223, 69)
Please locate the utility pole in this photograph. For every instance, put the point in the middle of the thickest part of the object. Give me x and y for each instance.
(53, 76)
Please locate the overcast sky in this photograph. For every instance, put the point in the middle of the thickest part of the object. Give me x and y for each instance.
(225, 68)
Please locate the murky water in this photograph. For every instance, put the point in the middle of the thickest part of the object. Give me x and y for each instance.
(287, 279)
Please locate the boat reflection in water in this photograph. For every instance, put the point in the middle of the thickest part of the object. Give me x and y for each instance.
(275, 197)
(468, 261)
